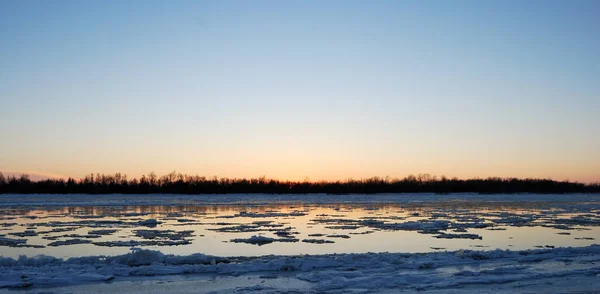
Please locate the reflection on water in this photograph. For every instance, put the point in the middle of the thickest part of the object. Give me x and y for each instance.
(232, 230)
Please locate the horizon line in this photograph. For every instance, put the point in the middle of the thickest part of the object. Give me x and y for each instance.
(429, 177)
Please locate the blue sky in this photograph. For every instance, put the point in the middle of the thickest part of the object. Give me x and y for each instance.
(295, 89)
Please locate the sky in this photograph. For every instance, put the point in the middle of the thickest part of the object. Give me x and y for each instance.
(325, 90)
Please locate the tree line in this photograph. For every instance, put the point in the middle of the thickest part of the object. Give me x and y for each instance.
(177, 183)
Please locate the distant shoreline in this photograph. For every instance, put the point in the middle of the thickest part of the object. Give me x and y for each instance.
(176, 183)
(584, 202)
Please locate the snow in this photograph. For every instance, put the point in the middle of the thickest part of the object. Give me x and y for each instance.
(317, 241)
(261, 240)
(256, 240)
(11, 242)
(69, 242)
(164, 234)
(338, 236)
(102, 232)
(332, 272)
(149, 222)
(458, 236)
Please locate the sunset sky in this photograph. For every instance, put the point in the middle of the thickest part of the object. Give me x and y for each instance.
(293, 89)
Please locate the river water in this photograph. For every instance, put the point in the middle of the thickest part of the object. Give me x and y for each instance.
(253, 229)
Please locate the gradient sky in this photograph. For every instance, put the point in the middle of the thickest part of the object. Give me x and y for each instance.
(294, 89)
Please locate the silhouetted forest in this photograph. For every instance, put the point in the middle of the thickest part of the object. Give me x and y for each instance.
(176, 183)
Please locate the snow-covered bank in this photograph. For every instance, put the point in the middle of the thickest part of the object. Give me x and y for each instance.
(258, 199)
(334, 272)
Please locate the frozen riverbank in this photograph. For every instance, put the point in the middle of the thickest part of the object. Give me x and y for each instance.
(505, 270)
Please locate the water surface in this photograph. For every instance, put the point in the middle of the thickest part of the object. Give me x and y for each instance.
(290, 229)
